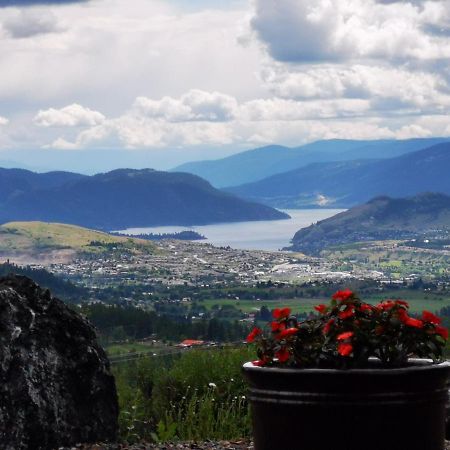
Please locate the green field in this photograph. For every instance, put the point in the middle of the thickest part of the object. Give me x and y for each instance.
(132, 347)
(390, 257)
(418, 300)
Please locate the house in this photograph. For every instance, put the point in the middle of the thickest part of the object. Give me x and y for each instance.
(190, 343)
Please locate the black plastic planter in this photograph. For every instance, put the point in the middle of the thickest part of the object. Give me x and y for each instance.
(357, 409)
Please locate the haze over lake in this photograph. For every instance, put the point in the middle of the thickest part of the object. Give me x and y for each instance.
(262, 235)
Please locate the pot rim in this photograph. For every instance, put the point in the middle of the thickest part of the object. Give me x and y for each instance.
(416, 364)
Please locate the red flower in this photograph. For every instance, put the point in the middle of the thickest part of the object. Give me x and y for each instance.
(327, 327)
(281, 313)
(402, 303)
(348, 312)
(276, 326)
(343, 295)
(345, 349)
(283, 355)
(254, 333)
(365, 307)
(287, 333)
(345, 335)
(259, 362)
(402, 315)
(321, 308)
(386, 305)
(441, 331)
(416, 323)
(427, 316)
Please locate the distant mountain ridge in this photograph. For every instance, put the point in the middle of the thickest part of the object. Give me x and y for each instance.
(18, 181)
(260, 163)
(123, 198)
(379, 219)
(348, 183)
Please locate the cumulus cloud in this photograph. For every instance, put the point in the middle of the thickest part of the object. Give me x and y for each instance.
(169, 77)
(405, 89)
(174, 122)
(324, 30)
(133, 132)
(70, 116)
(195, 105)
(27, 23)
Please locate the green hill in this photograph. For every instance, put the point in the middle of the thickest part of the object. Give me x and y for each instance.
(127, 198)
(382, 218)
(39, 238)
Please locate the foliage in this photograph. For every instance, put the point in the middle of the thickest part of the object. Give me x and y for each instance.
(116, 323)
(348, 332)
(59, 287)
(200, 395)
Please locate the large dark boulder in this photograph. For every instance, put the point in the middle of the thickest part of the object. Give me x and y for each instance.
(56, 387)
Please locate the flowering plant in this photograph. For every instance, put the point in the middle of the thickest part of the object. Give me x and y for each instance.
(347, 332)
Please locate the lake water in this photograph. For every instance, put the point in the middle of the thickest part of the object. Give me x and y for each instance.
(263, 235)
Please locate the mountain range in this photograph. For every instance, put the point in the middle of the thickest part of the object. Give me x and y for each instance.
(120, 199)
(348, 183)
(379, 219)
(253, 165)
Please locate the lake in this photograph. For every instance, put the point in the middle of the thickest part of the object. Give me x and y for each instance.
(262, 235)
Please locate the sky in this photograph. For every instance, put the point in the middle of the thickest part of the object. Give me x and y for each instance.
(93, 84)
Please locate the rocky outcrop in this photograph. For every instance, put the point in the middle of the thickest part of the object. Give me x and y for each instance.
(56, 388)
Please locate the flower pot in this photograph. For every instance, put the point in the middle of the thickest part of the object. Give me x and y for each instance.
(357, 409)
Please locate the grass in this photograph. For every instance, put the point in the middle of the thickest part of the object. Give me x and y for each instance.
(34, 237)
(298, 305)
(132, 347)
(197, 395)
(419, 300)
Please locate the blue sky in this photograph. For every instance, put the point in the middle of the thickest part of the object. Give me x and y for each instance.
(165, 81)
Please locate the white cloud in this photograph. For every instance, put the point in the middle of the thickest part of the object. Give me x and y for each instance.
(28, 23)
(165, 76)
(109, 54)
(412, 131)
(3, 121)
(413, 90)
(171, 123)
(325, 30)
(70, 116)
(277, 109)
(195, 105)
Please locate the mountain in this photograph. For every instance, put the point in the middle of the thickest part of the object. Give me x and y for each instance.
(16, 181)
(260, 163)
(127, 198)
(348, 183)
(380, 219)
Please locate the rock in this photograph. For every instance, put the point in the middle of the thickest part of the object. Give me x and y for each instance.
(56, 388)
